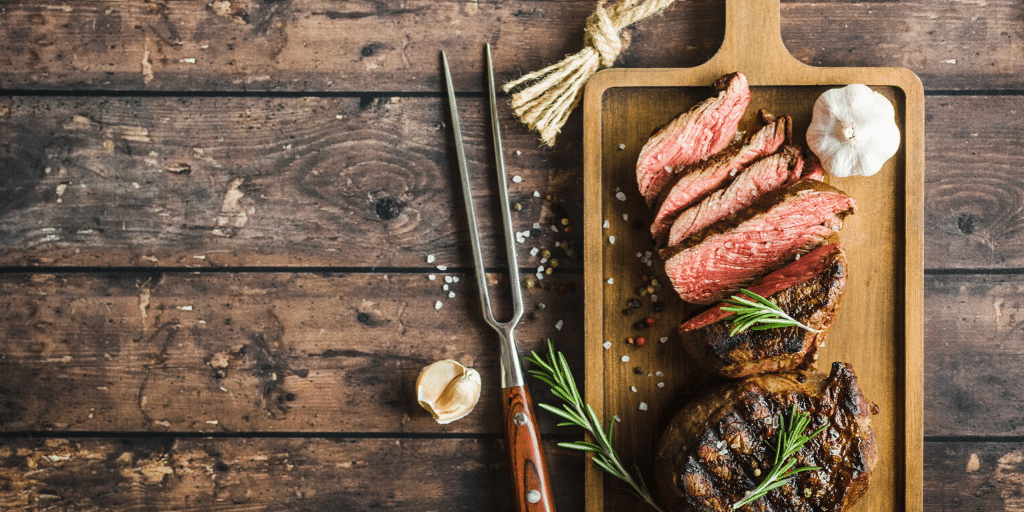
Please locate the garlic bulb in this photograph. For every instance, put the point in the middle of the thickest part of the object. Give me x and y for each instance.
(448, 390)
(853, 131)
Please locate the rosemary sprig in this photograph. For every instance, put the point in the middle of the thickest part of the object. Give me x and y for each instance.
(759, 314)
(554, 371)
(790, 440)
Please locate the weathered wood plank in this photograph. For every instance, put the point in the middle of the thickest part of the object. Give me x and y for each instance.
(366, 182)
(255, 352)
(389, 46)
(287, 182)
(268, 474)
(973, 346)
(974, 476)
(974, 187)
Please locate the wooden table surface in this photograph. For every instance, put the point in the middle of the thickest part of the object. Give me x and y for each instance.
(215, 220)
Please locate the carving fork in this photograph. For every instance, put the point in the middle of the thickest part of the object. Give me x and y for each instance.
(531, 487)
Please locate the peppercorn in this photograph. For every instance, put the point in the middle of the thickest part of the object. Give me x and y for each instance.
(548, 197)
(541, 306)
(529, 283)
(638, 370)
(568, 229)
(649, 321)
(641, 341)
(655, 282)
(630, 341)
(651, 289)
(634, 303)
(640, 325)
(553, 263)
(565, 222)
(659, 307)
(545, 253)
(641, 291)
(628, 312)
(645, 278)
(517, 207)
(535, 232)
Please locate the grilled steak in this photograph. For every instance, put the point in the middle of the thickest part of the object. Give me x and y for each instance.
(761, 177)
(809, 290)
(691, 184)
(720, 446)
(693, 136)
(715, 262)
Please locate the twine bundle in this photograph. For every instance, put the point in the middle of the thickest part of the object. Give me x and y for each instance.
(546, 104)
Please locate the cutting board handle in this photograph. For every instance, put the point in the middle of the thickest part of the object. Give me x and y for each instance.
(753, 42)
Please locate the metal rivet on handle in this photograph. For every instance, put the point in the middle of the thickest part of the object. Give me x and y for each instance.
(520, 419)
(533, 496)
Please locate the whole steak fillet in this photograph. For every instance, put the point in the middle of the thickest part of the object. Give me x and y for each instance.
(718, 447)
(761, 177)
(810, 290)
(720, 259)
(693, 136)
(689, 185)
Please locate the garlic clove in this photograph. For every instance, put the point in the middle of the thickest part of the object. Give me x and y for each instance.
(448, 390)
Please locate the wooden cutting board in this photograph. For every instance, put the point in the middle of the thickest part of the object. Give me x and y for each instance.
(879, 329)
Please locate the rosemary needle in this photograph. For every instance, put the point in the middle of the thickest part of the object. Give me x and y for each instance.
(758, 314)
(790, 440)
(554, 371)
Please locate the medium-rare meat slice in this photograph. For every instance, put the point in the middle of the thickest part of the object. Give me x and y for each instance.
(720, 259)
(810, 290)
(761, 177)
(693, 136)
(720, 446)
(691, 184)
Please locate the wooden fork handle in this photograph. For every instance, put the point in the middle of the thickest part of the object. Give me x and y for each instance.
(528, 468)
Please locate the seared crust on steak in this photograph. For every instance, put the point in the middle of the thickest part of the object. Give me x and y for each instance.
(720, 446)
(810, 290)
(693, 136)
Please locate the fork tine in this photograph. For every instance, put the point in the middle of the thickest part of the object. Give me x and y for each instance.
(506, 211)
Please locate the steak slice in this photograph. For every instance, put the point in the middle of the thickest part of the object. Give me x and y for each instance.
(763, 176)
(696, 182)
(715, 262)
(810, 290)
(720, 446)
(693, 136)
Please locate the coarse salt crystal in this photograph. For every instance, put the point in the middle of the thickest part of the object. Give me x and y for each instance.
(617, 418)
(536, 193)
(648, 254)
(447, 279)
(543, 261)
(625, 216)
(632, 388)
(620, 196)
(451, 295)
(639, 255)
(797, 256)
(664, 339)
(445, 287)
(622, 146)
(534, 251)
(732, 172)
(540, 276)
(625, 359)
(611, 280)
(559, 324)
(442, 268)
(661, 384)
(455, 279)
(536, 225)
(430, 258)
(540, 269)
(606, 225)
(518, 152)
(659, 374)
(431, 277)
(607, 345)
(519, 238)
(437, 305)
(654, 297)
(554, 228)
(611, 239)
(517, 178)
(643, 406)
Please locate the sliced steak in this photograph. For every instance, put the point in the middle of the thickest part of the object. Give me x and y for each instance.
(693, 183)
(721, 445)
(715, 262)
(810, 290)
(693, 136)
(761, 177)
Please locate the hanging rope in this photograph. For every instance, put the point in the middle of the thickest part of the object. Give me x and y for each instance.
(555, 91)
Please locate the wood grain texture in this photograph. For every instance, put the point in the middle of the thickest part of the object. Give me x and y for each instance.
(974, 344)
(302, 45)
(974, 476)
(529, 474)
(287, 474)
(201, 182)
(253, 352)
(974, 185)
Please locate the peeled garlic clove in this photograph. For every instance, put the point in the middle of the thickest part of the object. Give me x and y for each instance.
(448, 390)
